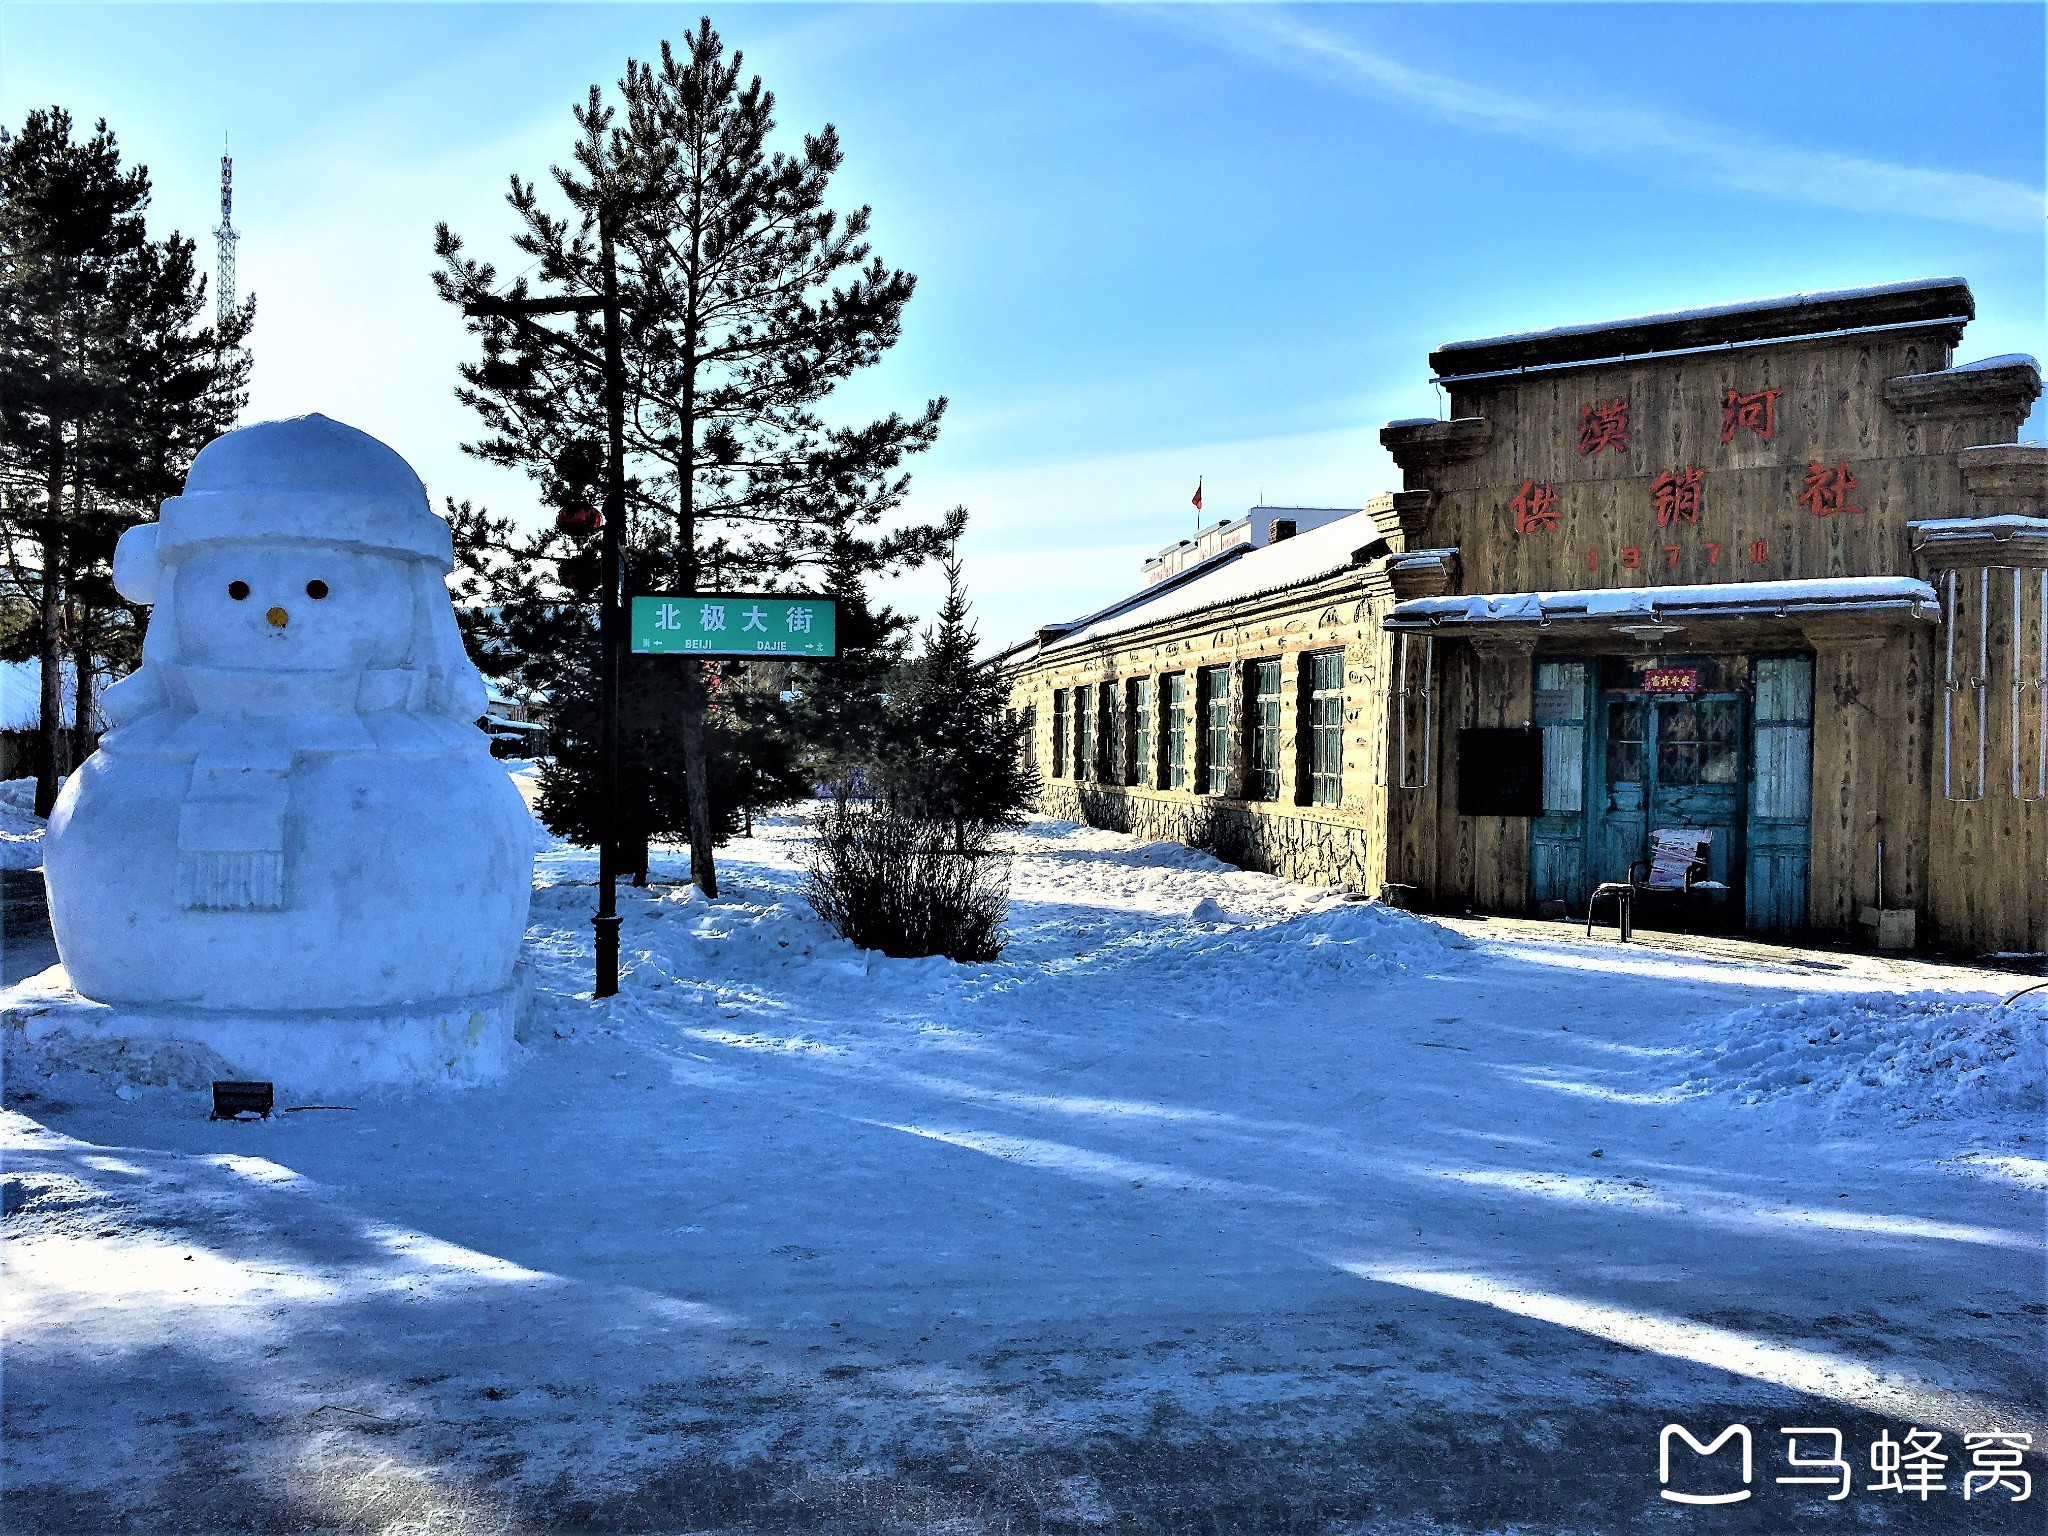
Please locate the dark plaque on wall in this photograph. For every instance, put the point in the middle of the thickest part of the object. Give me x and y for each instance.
(1500, 772)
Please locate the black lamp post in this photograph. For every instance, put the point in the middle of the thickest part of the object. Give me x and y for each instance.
(611, 630)
(611, 635)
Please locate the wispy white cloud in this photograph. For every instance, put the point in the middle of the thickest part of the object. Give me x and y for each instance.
(1700, 151)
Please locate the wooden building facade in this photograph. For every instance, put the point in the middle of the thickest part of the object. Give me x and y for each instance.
(1777, 571)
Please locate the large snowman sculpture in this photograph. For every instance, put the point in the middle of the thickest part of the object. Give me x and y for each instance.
(294, 816)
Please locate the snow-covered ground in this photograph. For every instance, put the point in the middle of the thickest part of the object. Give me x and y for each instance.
(1218, 1204)
(21, 830)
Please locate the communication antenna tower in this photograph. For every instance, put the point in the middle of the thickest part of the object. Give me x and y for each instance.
(226, 236)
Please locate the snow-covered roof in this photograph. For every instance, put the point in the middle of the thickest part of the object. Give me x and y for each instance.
(1732, 599)
(1233, 577)
(1409, 558)
(1918, 301)
(1052, 633)
(1934, 529)
(2003, 360)
(1706, 312)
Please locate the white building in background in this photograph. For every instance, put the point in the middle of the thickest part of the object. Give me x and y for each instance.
(516, 727)
(1257, 528)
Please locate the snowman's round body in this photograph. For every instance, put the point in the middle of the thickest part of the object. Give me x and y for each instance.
(295, 813)
(403, 882)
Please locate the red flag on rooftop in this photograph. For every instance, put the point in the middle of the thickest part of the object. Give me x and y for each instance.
(1198, 493)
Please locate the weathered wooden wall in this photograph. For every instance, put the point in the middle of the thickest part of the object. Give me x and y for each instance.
(1831, 411)
(1873, 703)
(1458, 862)
(1987, 884)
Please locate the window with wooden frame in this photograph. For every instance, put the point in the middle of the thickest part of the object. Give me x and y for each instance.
(1177, 731)
(1084, 733)
(1139, 708)
(1262, 725)
(1212, 702)
(1698, 742)
(1324, 711)
(1108, 736)
(1059, 733)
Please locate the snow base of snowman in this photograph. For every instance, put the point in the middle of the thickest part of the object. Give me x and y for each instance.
(452, 1042)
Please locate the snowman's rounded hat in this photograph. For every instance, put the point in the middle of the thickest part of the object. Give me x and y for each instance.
(306, 478)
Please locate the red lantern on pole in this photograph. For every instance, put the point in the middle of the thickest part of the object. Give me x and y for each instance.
(579, 521)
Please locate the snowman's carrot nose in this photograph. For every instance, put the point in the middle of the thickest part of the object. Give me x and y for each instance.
(278, 618)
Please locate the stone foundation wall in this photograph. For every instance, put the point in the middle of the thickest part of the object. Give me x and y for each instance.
(1276, 839)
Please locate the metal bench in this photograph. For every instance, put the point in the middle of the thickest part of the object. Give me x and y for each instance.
(1676, 865)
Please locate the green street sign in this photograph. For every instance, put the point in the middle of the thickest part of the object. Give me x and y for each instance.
(735, 624)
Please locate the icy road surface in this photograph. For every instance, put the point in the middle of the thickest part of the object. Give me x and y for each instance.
(1217, 1205)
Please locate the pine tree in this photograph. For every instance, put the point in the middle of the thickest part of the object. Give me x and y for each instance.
(748, 301)
(109, 384)
(842, 710)
(751, 757)
(958, 753)
(756, 762)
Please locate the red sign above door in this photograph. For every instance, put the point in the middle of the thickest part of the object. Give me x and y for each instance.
(1671, 679)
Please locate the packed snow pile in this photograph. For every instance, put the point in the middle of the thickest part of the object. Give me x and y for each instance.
(21, 829)
(127, 1064)
(1159, 920)
(1908, 1057)
(1170, 920)
(1161, 855)
(1307, 951)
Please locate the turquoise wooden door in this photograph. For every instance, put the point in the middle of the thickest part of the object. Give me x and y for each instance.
(1696, 778)
(1780, 795)
(1557, 838)
(1620, 826)
(1669, 762)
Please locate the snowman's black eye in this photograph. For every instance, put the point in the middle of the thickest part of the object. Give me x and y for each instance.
(238, 590)
(316, 590)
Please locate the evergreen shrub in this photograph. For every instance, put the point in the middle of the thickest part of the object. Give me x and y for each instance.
(888, 879)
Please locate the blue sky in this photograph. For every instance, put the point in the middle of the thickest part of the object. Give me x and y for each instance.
(1152, 242)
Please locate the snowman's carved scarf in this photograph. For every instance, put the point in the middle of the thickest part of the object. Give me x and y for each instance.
(231, 835)
(232, 824)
